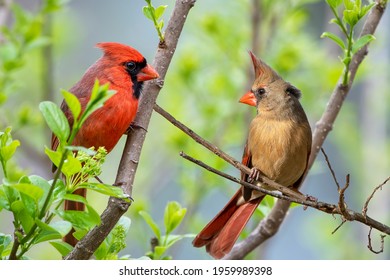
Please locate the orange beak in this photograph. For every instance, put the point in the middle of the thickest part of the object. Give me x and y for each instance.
(147, 73)
(249, 98)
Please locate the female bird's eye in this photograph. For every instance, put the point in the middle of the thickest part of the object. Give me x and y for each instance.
(261, 91)
(130, 66)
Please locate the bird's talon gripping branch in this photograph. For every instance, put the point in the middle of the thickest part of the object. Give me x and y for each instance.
(254, 176)
(133, 125)
(278, 147)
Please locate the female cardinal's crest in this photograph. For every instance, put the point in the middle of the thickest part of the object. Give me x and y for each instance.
(262, 71)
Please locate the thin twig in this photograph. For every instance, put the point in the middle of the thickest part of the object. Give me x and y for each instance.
(333, 209)
(331, 169)
(343, 220)
(229, 159)
(365, 207)
(369, 246)
(342, 203)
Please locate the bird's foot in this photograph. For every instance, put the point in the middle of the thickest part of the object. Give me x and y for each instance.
(254, 175)
(132, 126)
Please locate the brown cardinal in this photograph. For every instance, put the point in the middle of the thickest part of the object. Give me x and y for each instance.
(125, 69)
(278, 147)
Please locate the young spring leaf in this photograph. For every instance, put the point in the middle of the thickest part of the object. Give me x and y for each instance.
(73, 103)
(160, 11)
(151, 223)
(62, 247)
(55, 119)
(71, 166)
(334, 3)
(351, 17)
(147, 12)
(7, 145)
(335, 38)
(361, 42)
(55, 230)
(173, 216)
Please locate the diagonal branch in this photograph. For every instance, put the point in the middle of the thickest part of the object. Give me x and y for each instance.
(131, 154)
(336, 100)
(270, 225)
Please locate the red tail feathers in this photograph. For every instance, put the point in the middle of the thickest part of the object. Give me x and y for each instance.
(76, 206)
(220, 234)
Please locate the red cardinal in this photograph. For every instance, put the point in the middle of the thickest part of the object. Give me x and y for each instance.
(126, 70)
(278, 146)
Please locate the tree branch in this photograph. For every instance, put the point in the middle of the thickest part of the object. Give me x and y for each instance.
(131, 154)
(270, 225)
(325, 124)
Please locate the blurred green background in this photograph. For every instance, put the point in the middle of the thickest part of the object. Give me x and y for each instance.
(209, 72)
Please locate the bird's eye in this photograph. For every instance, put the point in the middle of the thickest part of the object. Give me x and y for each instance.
(261, 91)
(130, 66)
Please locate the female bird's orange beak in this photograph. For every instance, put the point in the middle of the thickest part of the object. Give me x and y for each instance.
(248, 98)
(147, 73)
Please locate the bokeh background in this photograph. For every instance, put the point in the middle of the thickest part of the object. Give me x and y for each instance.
(210, 71)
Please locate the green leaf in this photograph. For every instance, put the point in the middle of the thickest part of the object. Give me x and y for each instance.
(361, 42)
(81, 219)
(349, 4)
(160, 11)
(105, 189)
(3, 200)
(173, 238)
(366, 8)
(160, 25)
(147, 12)
(6, 152)
(62, 247)
(22, 215)
(73, 103)
(11, 195)
(41, 183)
(71, 165)
(173, 216)
(335, 38)
(159, 251)
(55, 119)
(31, 190)
(75, 197)
(149, 220)
(55, 230)
(334, 3)
(99, 95)
(5, 241)
(54, 156)
(351, 17)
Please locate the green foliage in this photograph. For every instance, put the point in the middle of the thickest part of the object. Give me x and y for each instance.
(34, 201)
(173, 216)
(155, 15)
(7, 148)
(23, 37)
(352, 13)
(115, 241)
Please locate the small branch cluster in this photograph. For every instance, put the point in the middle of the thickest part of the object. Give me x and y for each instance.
(285, 193)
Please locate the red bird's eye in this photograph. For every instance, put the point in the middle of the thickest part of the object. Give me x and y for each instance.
(131, 66)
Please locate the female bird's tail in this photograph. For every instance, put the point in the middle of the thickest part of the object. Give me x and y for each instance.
(220, 234)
